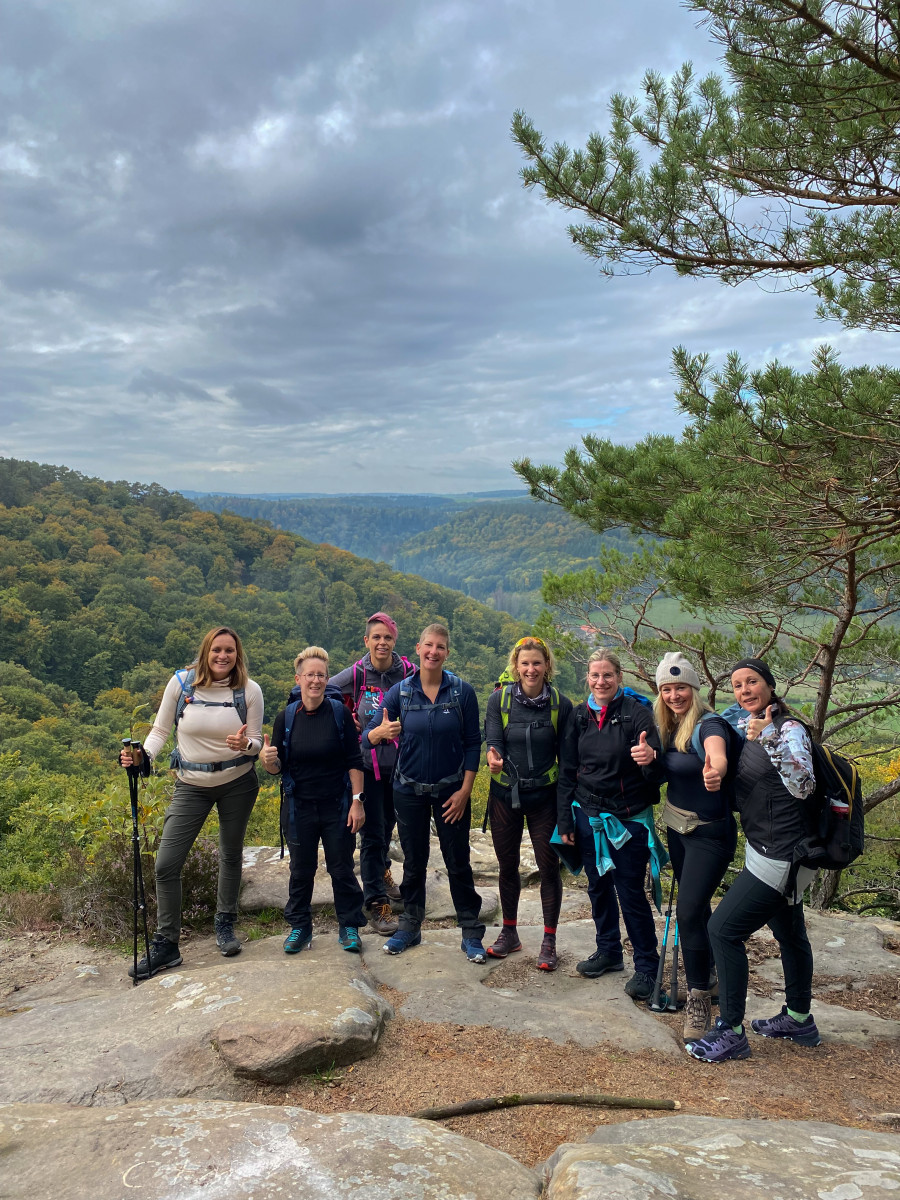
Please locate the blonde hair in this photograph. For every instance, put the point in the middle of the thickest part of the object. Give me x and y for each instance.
(531, 643)
(674, 731)
(200, 665)
(605, 656)
(438, 630)
(310, 652)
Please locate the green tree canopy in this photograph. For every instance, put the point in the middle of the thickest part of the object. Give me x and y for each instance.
(785, 167)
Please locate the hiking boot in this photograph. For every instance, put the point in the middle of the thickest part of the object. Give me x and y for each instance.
(225, 939)
(473, 949)
(720, 1044)
(640, 986)
(382, 919)
(402, 940)
(713, 989)
(547, 960)
(163, 954)
(784, 1025)
(598, 964)
(507, 943)
(348, 936)
(298, 939)
(390, 888)
(697, 1015)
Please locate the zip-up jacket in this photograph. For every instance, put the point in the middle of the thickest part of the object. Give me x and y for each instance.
(438, 741)
(773, 820)
(596, 767)
(512, 744)
(373, 686)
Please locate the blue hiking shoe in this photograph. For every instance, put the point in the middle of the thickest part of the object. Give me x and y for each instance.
(402, 940)
(348, 936)
(297, 940)
(720, 1044)
(473, 950)
(804, 1033)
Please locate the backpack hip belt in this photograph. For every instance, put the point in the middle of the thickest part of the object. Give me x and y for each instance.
(429, 789)
(177, 763)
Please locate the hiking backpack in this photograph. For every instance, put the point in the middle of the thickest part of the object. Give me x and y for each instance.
(455, 702)
(362, 690)
(186, 696)
(286, 806)
(552, 775)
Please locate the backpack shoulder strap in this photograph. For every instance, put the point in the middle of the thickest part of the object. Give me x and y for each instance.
(239, 699)
(358, 666)
(505, 704)
(554, 708)
(409, 668)
(290, 713)
(405, 693)
(338, 709)
(186, 682)
(696, 744)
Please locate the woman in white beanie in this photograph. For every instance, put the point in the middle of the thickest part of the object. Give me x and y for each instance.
(702, 833)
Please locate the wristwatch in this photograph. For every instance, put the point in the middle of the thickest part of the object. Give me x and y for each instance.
(361, 797)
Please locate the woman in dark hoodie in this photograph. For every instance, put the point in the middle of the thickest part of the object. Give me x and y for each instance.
(606, 808)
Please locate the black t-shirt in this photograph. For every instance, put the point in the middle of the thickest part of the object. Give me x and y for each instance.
(319, 756)
(684, 776)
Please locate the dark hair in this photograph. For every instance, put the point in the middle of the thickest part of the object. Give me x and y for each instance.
(202, 676)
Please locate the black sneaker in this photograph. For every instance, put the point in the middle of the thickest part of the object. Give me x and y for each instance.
(804, 1033)
(225, 939)
(640, 986)
(598, 964)
(163, 954)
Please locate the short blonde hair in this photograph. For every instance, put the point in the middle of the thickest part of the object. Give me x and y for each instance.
(605, 656)
(531, 643)
(310, 652)
(438, 630)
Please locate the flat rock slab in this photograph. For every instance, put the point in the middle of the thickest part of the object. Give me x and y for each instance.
(442, 986)
(178, 1150)
(204, 1029)
(705, 1158)
(266, 874)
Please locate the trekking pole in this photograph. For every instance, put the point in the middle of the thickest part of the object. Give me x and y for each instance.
(138, 898)
(672, 1005)
(654, 1002)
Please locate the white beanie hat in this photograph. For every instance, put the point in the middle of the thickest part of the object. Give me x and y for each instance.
(675, 668)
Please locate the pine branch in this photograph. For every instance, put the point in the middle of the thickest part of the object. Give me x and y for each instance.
(492, 1103)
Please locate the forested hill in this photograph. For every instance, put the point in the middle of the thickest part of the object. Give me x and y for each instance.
(105, 588)
(493, 550)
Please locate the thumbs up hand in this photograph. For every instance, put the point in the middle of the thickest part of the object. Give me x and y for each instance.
(643, 753)
(239, 740)
(387, 731)
(268, 756)
(712, 777)
(756, 725)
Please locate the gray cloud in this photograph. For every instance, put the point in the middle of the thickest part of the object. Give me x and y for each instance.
(309, 217)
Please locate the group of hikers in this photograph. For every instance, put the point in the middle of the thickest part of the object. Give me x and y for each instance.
(387, 742)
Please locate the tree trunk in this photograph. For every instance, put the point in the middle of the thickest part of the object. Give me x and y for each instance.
(824, 889)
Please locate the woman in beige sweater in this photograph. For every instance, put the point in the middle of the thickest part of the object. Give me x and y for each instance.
(217, 713)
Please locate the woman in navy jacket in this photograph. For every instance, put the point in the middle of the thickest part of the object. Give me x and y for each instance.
(606, 807)
(435, 716)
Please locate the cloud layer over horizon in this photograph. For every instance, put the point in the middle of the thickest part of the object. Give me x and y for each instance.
(285, 248)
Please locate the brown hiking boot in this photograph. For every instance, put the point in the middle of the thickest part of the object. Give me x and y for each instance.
(697, 1015)
(382, 919)
(713, 989)
(507, 943)
(390, 888)
(547, 960)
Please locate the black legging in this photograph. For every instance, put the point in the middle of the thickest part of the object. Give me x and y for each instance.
(699, 860)
(507, 826)
(748, 905)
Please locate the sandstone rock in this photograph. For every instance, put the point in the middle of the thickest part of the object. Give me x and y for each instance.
(90, 1037)
(178, 1150)
(704, 1158)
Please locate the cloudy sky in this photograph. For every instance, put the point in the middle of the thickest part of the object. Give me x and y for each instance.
(284, 246)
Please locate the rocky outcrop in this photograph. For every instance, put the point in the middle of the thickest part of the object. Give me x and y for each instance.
(704, 1158)
(203, 1029)
(178, 1150)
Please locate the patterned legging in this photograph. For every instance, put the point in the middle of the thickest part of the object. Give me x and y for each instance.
(507, 827)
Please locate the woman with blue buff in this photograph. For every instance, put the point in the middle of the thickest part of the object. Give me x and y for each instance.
(605, 808)
(701, 830)
(775, 775)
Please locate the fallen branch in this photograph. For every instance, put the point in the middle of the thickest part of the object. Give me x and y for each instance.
(491, 1103)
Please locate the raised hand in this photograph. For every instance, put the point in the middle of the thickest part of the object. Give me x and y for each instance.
(494, 760)
(756, 725)
(268, 756)
(387, 731)
(712, 778)
(239, 740)
(643, 753)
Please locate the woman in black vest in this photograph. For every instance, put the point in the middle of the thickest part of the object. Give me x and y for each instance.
(605, 803)
(775, 775)
(523, 725)
(701, 830)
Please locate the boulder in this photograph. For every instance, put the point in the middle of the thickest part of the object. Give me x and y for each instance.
(706, 1158)
(180, 1150)
(204, 1029)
